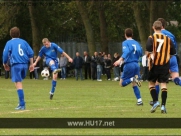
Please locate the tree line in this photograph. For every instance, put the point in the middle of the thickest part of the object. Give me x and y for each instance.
(88, 21)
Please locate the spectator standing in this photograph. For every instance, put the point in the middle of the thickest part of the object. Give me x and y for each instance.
(99, 62)
(116, 69)
(78, 63)
(87, 66)
(94, 66)
(107, 65)
(63, 66)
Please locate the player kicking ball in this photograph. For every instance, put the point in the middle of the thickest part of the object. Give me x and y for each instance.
(49, 51)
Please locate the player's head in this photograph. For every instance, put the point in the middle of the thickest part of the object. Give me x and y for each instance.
(14, 32)
(46, 42)
(128, 33)
(157, 26)
(164, 23)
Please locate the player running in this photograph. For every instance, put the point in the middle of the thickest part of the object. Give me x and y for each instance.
(132, 51)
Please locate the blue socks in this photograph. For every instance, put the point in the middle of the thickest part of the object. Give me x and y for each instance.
(21, 97)
(53, 86)
(157, 87)
(126, 82)
(177, 81)
(137, 92)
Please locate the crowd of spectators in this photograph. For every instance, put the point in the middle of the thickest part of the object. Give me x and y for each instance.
(87, 67)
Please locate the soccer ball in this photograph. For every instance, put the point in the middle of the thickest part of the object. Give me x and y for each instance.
(45, 72)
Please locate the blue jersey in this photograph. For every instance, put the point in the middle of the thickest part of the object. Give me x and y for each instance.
(17, 51)
(132, 51)
(171, 36)
(51, 52)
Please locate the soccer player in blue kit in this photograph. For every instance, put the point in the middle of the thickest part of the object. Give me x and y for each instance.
(174, 68)
(19, 52)
(132, 51)
(50, 50)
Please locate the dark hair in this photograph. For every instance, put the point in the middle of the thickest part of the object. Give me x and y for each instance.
(128, 32)
(164, 23)
(14, 32)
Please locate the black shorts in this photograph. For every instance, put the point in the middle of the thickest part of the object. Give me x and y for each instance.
(160, 75)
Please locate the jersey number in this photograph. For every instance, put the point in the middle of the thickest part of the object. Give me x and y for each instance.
(21, 53)
(160, 44)
(134, 46)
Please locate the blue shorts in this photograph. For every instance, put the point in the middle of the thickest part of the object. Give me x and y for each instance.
(173, 64)
(19, 72)
(130, 70)
(48, 61)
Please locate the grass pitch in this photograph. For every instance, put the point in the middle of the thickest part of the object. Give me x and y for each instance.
(79, 99)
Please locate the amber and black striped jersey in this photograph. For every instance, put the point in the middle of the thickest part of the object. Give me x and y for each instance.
(162, 47)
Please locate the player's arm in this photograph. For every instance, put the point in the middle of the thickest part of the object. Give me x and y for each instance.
(6, 57)
(119, 62)
(31, 67)
(38, 59)
(124, 55)
(68, 57)
(5, 54)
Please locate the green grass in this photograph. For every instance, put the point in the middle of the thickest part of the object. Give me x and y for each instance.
(86, 98)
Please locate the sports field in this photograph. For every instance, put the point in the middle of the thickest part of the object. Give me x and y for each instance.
(84, 99)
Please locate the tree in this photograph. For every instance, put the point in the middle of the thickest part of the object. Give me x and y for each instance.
(34, 28)
(140, 19)
(103, 27)
(88, 27)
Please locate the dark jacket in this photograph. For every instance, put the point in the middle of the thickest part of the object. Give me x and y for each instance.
(88, 59)
(114, 60)
(78, 62)
(93, 61)
(99, 60)
(107, 63)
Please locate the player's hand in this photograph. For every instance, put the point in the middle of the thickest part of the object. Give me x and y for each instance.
(31, 68)
(6, 67)
(70, 60)
(117, 63)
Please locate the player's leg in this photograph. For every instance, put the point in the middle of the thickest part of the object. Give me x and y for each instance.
(164, 98)
(163, 79)
(157, 87)
(153, 93)
(136, 83)
(137, 94)
(175, 77)
(126, 76)
(174, 70)
(18, 74)
(54, 67)
(152, 78)
(20, 92)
